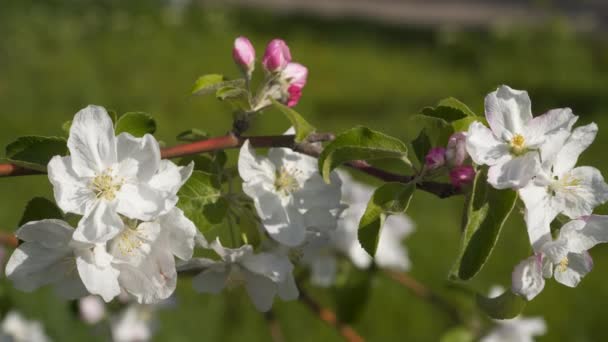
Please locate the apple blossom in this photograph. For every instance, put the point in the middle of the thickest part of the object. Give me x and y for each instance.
(264, 275)
(435, 158)
(560, 187)
(244, 54)
(136, 323)
(105, 176)
(283, 187)
(277, 56)
(462, 175)
(510, 147)
(456, 152)
(15, 328)
(92, 309)
(295, 74)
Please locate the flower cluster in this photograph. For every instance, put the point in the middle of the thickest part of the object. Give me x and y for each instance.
(536, 156)
(129, 230)
(454, 158)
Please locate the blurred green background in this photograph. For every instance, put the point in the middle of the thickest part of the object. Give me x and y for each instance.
(57, 57)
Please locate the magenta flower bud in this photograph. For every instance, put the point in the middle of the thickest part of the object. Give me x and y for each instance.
(456, 152)
(277, 56)
(462, 175)
(295, 93)
(435, 158)
(244, 54)
(295, 74)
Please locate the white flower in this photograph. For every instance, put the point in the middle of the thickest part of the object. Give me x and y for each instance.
(136, 323)
(510, 146)
(48, 255)
(566, 259)
(15, 328)
(92, 309)
(283, 186)
(106, 175)
(144, 255)
(264, 275)
(560, 187)
(520, 329)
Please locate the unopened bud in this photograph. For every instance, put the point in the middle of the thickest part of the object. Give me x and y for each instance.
(435, 158)
(456, 153)
(295, 74)
(462, 175)
(244, 54)
(295, 93)
(277, 56)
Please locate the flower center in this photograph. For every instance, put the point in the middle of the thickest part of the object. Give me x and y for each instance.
(567, 183)
(286, 182)
(518, 145)
(129, 240)
(106, 186)
(563, 265)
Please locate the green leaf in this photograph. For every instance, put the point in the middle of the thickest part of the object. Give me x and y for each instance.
(40, 208)
(212, 163)
(237, 97)
(351, 292)
(487, 210)
(208, 84)
(421, 145)
(438, 130)
(388, 199)
(463, 124)
(192, 135)
(35, 152)
(199, 198)
(302, 127)
(449, 109)
(360, 143)
(506, 306)
(137, 124)
(458, 334)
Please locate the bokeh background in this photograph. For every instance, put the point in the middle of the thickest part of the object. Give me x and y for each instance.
(373, 62)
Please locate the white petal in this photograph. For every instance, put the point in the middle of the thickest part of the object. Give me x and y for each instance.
(153, 280)
(144, 150)
(180, 233)
(515, 173)
(508, 110)
(134, 246)
(212, 280)
(539, 213)
(140, 201)
(588, 192)
(273, 266)
(100, 224)
(323, 270)
(549, 123)
(579, 140)
(252, 167)
(527, 279)
(170, 177)
(92, 143)
(288, 290)
(484, 148)
(316, 193)
(261, 290)
(585, 233)
(49, 233)
(72, 192)
(391, 253)
(32, 265)
(306, 166)
(99, 279)
(71, 287)
(578, 266)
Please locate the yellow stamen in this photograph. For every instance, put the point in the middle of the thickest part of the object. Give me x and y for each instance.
(286, 181)
(518, 144)
(105, 185)
(563, 265)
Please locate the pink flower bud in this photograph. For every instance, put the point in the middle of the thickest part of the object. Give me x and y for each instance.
(435, 158)
(244, 54)
(456, 152)
(462, 175)
(295, 93)
(295, 74)
(277, 56)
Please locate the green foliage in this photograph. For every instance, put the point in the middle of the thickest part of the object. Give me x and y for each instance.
(137, 124)
(211, 83)
(35, 152)
(360, 143)
(458, 334)
(506, 306)
(449, 109)
(486, 211)
(192, 135)
(302, 127)
(437, 130)
(201, 200)
(388, 199)
(421, 145)
(351, 292)
(40, 208)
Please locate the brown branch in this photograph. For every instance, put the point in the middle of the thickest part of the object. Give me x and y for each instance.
(276, 333)
(329, 317)
(441, 190)
(8, 240)
(420, 290)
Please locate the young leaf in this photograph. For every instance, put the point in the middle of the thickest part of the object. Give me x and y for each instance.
(506, 306)
(360, 143)
(449, 109)
(437, 129)
(199, 198)
(487, 210)
(388, 199)
(193, 134)
(208, 84)
(351, 292)
(35, 152)
(237, 97)
(137, 124)
(40, 208)
(421, 145)
(302, 127)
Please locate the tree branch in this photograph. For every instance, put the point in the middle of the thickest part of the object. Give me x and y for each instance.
(329, 317)
(273, 325)
(441, 190)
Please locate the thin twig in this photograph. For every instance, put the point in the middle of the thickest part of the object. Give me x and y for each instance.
(326, 315)
(276, 333)
(441, 190)
(421, 291)
(8, 240)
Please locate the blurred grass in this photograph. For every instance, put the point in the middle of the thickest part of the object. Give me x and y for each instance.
(58, 56)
